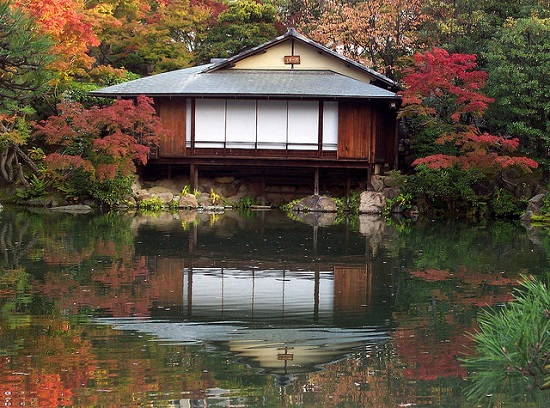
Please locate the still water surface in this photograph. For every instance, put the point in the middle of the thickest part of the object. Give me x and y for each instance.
(257, 309)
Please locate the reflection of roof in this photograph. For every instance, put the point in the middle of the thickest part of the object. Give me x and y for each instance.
(258, 83)
(310, 346)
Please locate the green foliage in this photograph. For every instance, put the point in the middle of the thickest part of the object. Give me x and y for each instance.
(425, 136)
(546, 204)
(519, 62)
(446, 190)
(403, 201)
(36, 188)
(504, 203)
(245, 202)
(151, 204)
(187, 190)
(245, 24)
(513, 344)
(110, 191)
(353, 202)
(24, 58)
(215, 197)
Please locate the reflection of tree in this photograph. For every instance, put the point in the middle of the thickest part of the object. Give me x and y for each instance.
(48, 373)
(54, 362)
(436, 309)
(118, 288)
(495, 247)
(16, 239)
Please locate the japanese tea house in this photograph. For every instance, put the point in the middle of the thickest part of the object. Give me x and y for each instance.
(288, 108)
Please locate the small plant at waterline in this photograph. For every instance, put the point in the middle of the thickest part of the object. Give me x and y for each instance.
(215, 198)
(36, 188)
(187, 190)
(402, 202)
(151, 204)
(245, 202)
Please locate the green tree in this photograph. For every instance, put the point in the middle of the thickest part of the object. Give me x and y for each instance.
(24, 74)
(466, 26)
(245, 24)
(519, 63)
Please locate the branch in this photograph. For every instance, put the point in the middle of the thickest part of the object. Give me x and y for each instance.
(34, 168)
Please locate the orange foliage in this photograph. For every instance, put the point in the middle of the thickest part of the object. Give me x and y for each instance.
(71, 28)
(60, 364)
(376, 33)
(121, 132)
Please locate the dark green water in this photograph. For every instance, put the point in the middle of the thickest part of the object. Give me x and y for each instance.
(201, 310)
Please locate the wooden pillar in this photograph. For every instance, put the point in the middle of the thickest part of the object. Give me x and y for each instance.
(316, 182)
(316, 294)
(193, 177)
(263, 184)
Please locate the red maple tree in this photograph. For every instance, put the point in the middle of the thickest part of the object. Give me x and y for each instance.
(104, 142)
(444, 90)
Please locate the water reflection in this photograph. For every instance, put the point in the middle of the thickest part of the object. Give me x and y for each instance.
(200, 309)
(265, 285)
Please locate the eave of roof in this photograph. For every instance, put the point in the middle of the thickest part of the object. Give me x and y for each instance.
(202, 82)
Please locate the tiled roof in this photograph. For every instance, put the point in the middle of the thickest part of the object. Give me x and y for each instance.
(252, 83)
(220, 79)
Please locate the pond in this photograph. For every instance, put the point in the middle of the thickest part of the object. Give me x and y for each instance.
(249, 309)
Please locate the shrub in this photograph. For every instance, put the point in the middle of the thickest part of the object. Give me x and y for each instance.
(504, 203)
(449, 189)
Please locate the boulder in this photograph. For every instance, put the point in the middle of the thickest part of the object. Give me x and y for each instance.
(377, 183)
(534, 206)
(158, 190)
(372, 202)
(166, 197)
(143, 196)
(73, 209)
(224, 180)
(136, 187)
(315, 203)
(188, 201)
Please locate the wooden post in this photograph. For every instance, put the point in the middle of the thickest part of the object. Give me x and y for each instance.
(316, 182)
(193, 177)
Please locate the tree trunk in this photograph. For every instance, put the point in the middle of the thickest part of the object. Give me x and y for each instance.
(32, 165)
(3, 158)
(12, 160)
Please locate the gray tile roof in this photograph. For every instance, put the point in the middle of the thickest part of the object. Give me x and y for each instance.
(199, 81)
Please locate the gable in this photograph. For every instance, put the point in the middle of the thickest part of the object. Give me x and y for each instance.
(310, 58)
